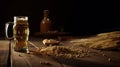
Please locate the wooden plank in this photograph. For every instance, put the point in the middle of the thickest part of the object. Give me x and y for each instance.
(31, 60)
(4, 53)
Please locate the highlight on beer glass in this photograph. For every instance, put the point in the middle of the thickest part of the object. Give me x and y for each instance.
(20, 33)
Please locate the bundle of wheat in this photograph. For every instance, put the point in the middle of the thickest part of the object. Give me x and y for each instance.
(106, 41)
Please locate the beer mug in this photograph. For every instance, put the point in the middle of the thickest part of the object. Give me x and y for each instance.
(20, 33)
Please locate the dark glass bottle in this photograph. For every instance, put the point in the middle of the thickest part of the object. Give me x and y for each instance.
(45, 24)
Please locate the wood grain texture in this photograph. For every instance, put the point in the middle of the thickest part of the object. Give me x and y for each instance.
(4, 52)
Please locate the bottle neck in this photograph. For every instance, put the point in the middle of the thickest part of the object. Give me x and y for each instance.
(45, 13)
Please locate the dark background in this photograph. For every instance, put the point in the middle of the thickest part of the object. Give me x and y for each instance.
(77, 17)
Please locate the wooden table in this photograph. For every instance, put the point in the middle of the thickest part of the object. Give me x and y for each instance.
(11, 58)
(4, 53)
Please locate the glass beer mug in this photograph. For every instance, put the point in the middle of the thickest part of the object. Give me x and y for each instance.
(20, 33)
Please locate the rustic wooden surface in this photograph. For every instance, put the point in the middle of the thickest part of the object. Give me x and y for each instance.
(4, 53)
(97, 58)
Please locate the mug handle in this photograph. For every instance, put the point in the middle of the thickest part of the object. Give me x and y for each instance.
(6, 30)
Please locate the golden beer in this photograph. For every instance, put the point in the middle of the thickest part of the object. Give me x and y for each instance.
(21, 33)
